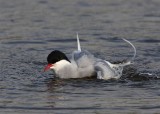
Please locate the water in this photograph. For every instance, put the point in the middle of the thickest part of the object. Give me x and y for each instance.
(30, 30)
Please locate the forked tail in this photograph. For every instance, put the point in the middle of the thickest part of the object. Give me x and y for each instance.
(78, 43)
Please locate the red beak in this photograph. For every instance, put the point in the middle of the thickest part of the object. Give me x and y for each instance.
(48, 67)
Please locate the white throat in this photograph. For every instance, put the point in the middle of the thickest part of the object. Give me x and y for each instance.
(63, 69)
(60, 65)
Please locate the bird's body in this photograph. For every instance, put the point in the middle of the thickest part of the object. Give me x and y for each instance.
(74, 69)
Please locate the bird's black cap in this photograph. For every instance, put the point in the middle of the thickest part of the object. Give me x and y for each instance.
(56, 56)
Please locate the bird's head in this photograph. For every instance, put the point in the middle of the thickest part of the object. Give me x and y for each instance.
(55, 58)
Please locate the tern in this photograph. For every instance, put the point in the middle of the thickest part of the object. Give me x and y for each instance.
(84, 64)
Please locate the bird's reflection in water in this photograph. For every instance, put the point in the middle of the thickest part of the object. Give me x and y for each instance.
(54, 85)
(59, 91)
(54, 92)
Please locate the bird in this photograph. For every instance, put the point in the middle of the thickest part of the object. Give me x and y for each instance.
(80, 65)
(84, 64)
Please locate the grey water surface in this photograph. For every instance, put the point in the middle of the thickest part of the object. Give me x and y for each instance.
(31, 29)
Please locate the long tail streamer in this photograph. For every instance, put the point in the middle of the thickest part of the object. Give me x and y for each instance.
(78, 43)
(132, 59)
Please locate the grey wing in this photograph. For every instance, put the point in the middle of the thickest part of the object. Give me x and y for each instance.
(106, 70)
(83, 58)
